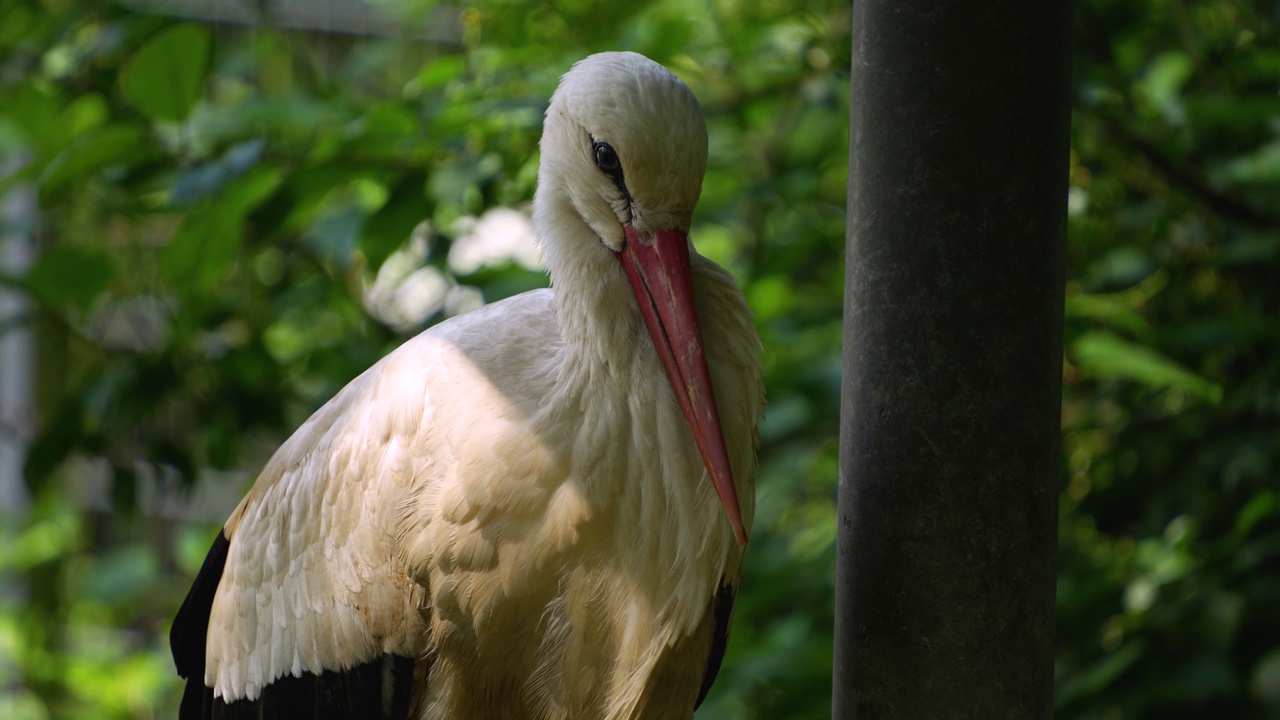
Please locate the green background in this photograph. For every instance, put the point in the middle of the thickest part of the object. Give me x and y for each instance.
(214, 198)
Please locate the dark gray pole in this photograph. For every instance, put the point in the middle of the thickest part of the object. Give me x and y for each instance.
(952, 359)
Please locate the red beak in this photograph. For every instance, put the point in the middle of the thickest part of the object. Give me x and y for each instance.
(662, 280)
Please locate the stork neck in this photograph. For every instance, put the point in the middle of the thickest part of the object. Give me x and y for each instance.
(595, 307)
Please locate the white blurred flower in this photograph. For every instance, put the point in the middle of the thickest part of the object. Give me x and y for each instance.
(405, 293)
(499, 236)
(462, 298)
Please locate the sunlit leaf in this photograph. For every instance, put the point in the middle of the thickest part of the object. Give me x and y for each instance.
(205, 245)
(70, 276)
(1106, 308)
(166, 77)
(1118, 309)
(290, 148)
(771, 297)
(110, 145)
(1262, 166)
(1162, 84)
(439, 72)
(34, 110)
(1106, 356)
(47, 538)
(1265, 505)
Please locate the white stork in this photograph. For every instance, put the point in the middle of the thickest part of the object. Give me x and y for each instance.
(535, 510)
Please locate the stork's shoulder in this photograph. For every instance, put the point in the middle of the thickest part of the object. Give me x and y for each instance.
(318, 535)
(528, 313)
(395, 400)
(392, 405)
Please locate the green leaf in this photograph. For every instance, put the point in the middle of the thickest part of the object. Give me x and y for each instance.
(70, 276)
(208, 179)
(1260, 167)
(1118, 309)
(1106, 356)
(437, 73)
(771, 297)
(1107, 308)
(388, 120)
(1100, 675)
(45, 539)
(34, 109)
(1261, 507)
(206, 242)
(392, 224)
(336, 233)
(89, 153)
(166, 77)
(1165, 76)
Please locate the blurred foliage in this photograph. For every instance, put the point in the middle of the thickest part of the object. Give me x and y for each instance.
(1170, 519)
(216, 202)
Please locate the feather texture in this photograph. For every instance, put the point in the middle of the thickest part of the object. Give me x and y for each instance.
(512, 502)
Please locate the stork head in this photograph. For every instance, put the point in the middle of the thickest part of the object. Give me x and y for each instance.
(625, 149)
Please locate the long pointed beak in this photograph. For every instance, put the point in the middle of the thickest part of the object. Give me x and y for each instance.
(662, 279)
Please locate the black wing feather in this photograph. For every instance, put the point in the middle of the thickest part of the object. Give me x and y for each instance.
(191, 628)
(719, 641)
(381, 688)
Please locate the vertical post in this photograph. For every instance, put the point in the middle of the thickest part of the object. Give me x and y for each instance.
(17, 341)
(952, 359)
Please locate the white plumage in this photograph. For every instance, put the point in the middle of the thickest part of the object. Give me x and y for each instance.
(513, 504)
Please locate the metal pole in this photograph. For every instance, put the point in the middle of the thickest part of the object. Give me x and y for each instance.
(952, 359)
(17, 341)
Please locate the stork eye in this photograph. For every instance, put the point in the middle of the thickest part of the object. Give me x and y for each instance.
(607, 159)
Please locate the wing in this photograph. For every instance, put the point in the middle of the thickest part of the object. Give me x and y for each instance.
(313, 595)
(723, 613)
(380, 688)
(303, 601)
(191, 625)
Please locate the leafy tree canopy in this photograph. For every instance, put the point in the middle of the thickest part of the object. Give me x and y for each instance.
(236, 216)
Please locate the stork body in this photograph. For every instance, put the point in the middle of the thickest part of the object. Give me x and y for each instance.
(516, 514)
